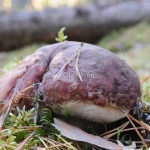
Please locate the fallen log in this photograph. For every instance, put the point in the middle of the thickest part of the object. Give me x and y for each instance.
(86, 23)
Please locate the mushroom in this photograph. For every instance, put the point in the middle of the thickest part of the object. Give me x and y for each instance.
(95, 85)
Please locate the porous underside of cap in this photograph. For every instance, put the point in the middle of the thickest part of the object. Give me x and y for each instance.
(89, 111)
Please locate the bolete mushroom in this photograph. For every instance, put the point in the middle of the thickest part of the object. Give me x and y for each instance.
(94, 85)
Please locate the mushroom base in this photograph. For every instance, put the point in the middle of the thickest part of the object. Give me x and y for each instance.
(89, 112)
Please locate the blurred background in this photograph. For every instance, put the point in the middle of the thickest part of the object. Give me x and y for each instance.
(121, 26)
(42, 4)
(36, 4)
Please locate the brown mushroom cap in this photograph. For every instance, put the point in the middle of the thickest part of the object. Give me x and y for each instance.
(107, 80)
(108, 83)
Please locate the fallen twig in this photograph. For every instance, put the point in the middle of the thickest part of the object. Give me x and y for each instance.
(71, 58)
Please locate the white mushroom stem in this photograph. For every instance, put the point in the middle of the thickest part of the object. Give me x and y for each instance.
(89, 111)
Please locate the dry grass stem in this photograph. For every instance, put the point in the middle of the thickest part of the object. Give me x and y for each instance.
(43, 142)
(76, 143)
(8, 146)
(71, 58)
(5, 112)
(109, 134)
(130, 129)
(145, 79)
(55, 144)
(13, 101)
(77, 61)
(21, 145)
(144, 125)
(15, 130)
(5, 107)
(52, 142)
(136, 130)
(68, 144)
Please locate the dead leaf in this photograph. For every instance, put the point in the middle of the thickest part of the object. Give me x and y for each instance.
(77, 134)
